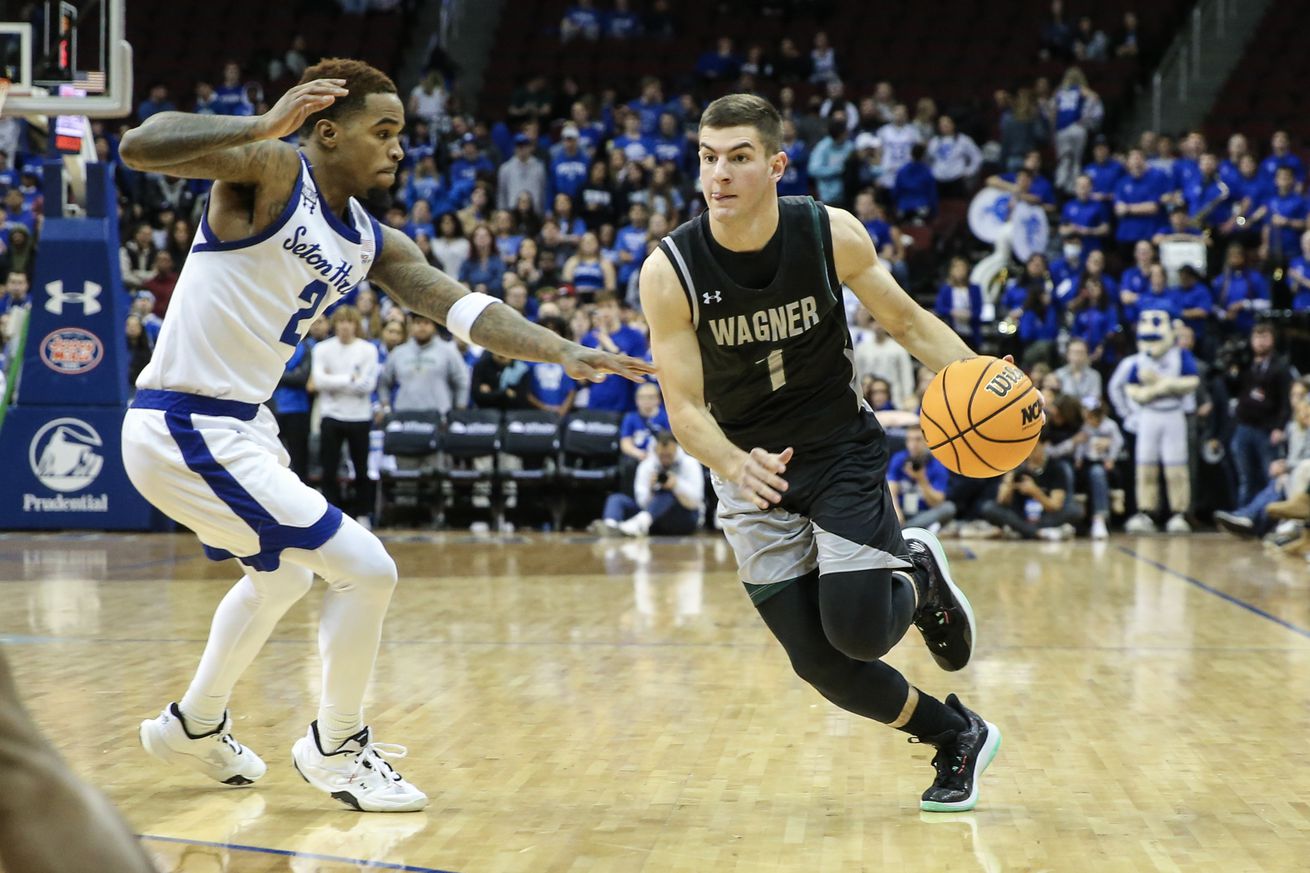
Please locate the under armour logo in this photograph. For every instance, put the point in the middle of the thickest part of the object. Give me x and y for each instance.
(712, 297)
(308, 200)
(58, 297)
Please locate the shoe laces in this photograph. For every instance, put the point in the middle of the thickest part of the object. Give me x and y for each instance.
(950, 762)
(374, 757)
(951, 765)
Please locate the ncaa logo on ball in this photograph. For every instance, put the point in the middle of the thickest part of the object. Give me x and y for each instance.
(71, 351)
(1032, 414)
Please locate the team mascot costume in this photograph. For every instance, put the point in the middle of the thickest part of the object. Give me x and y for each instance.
(1153, 390)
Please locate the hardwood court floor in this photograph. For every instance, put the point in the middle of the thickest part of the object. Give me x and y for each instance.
(572, 705)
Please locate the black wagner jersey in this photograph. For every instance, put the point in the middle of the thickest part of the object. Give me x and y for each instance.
(779, 368)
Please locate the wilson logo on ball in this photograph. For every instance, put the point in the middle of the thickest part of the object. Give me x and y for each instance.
(1003, 382)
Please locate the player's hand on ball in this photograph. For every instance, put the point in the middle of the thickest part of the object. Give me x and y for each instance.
(302, 101)
(761, 476)
(593, 365)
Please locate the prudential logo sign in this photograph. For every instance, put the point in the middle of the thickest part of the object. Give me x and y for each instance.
(65, 456)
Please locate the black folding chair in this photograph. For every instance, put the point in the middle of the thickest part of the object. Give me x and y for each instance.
(410, 476)
(589, 456)
(469, 446)
(529, 454)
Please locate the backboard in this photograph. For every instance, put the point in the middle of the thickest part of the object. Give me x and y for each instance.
(69, 57)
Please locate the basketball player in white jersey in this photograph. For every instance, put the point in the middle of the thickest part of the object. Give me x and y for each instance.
(282, 238)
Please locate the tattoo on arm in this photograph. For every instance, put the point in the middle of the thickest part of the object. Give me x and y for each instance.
(419, 286)
(504, 331)
(200, 146)
(412, 281)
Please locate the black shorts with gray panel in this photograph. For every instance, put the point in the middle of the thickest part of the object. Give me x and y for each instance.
(836, 516)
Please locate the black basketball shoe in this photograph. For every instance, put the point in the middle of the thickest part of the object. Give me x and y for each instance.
(944, 616)
(961, 759)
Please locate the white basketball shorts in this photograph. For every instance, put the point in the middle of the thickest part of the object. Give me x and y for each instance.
(217, 467)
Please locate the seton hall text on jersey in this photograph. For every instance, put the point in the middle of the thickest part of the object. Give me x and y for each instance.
(312, 255)
(767, 325)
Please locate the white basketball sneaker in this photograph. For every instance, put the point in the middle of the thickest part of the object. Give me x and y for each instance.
(1139, 523)
(218, 755)
(1177, 525)
(357, 774)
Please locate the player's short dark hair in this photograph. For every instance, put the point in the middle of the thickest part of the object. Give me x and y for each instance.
(746, 110)
(361, 80)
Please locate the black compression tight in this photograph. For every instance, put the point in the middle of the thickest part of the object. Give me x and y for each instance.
(835, 627)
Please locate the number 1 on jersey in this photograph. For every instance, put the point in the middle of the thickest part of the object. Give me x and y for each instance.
(777, 375)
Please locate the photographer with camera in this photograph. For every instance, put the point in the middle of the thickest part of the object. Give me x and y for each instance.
(1033, 498)
(917, 482)
(668, 498)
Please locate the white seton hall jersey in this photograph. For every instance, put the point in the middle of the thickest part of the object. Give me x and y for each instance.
(241, 307)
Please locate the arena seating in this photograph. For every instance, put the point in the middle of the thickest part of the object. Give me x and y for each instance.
(177, 42)
(923, 51)
(1259, 97)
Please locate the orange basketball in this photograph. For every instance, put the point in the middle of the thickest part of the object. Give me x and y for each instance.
(981, 417)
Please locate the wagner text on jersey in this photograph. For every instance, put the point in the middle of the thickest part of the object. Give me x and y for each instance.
(767, 325)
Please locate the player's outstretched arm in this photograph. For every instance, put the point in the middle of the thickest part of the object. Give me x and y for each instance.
(682, 380)
(923, 334)
(415, 284)
(239, 150)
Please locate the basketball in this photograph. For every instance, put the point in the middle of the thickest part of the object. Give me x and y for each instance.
(981, 417)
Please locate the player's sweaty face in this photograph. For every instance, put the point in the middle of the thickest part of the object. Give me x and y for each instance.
(371, 142)
(734, 169)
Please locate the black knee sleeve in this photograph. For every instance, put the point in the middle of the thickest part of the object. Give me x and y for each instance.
(871, 689)
(865, 612)
(865, 687)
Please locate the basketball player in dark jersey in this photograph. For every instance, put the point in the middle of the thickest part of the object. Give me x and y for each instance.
(749, 332)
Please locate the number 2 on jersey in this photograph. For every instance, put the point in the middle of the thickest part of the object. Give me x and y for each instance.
(313, 294)
(777, 375)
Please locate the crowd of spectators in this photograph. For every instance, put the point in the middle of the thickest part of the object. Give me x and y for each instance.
(554, 208)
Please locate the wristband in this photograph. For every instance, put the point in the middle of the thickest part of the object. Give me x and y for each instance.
(465, 311)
